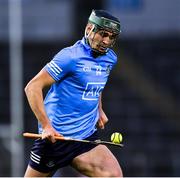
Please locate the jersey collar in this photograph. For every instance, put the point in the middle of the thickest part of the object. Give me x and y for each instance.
(88, 48)
(83, 41)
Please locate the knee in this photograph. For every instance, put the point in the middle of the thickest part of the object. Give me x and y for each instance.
(115, 173)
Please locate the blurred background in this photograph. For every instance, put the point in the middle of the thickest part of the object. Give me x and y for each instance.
(141, 99)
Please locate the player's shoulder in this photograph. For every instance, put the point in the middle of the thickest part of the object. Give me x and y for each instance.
(68, 53)
(78, 48)
(112, 55)
(72, 51)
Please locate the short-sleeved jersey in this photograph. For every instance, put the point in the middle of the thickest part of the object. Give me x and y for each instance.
(72, 101)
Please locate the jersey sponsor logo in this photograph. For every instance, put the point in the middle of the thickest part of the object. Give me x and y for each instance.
(93, 90)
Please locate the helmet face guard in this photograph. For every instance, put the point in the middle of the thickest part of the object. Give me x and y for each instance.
(104, 24)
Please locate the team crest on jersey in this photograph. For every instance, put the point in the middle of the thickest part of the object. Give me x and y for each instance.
(92, 90)
(108, 69)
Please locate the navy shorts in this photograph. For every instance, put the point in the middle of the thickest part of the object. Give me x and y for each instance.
(48, 157)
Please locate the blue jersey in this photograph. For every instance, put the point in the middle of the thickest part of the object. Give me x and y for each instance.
(72, 101)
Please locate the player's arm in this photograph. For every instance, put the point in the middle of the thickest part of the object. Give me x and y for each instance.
(34, 93)
(102, 116)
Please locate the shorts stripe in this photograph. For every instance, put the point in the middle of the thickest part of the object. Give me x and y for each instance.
(33, 157)
(34, 154)
(34, 160)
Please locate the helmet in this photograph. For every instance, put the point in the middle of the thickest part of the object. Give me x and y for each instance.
(104, 20)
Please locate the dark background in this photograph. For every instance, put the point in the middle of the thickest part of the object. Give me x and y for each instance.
(142, 96)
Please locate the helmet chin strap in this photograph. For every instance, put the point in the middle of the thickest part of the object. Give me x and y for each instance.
(87, 35)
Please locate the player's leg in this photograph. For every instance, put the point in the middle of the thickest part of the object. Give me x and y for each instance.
(99, 161)
(40, 156)
(30, 172)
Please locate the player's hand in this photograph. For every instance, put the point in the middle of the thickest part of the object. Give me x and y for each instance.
(49, 133)
(102, 119)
